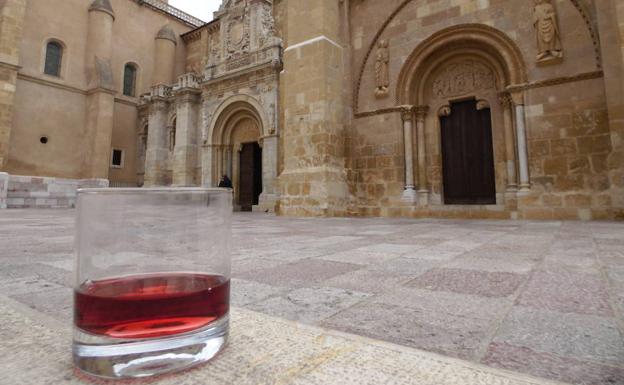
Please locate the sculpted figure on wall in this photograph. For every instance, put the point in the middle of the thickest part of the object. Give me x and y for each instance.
(382, 73)
(547, 30)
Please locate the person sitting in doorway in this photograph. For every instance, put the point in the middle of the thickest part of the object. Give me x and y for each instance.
(225, 182)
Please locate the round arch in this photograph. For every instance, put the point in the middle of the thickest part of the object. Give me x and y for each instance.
(582, 9)
(235, 107)
(491, 44)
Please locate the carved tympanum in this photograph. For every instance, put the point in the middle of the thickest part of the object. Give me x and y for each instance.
(464, 77)
(382, 73)
(547, 30)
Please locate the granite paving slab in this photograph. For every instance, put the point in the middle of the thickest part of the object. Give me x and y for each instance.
(304, 268)
(262, 350)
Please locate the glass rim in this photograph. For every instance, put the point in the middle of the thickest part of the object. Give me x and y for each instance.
(152, 190)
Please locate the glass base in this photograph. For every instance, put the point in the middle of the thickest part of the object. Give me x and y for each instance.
(109, 358)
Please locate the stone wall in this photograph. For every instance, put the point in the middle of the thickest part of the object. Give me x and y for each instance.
(39, 192)
(572, 129)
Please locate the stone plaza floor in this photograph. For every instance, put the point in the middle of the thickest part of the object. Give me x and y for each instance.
(540, 298)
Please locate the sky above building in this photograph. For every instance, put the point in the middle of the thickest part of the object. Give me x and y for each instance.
(202, 9)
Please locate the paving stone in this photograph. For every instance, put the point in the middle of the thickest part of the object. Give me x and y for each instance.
(438, 332)
(463, 305)
(483, 283)
(57, 303)
(253, 264)
(309, 305)
(523, 359)
(581, 337)
(567, 292)
(261, 350)
(367, 281)
(360, 256)
(247, 292)
(521, 266)
(389, 248)
(435, 253)
(27, 270)
(29, 285)
(308, 272)
(404, 266)
(37, 244)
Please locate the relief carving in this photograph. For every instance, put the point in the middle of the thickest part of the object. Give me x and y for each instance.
(462, 78)
(237, 30)
(547, 30)
(382, 73)
(267, 24)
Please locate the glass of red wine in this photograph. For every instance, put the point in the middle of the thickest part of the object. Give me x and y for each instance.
(152, 287)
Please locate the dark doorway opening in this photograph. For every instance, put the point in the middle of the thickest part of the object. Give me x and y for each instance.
(250, 178)
(468, 155)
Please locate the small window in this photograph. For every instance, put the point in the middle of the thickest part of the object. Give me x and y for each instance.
(129, 86)
(117, 159)
(53, 59)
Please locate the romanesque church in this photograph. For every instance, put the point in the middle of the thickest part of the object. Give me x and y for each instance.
(413, 108)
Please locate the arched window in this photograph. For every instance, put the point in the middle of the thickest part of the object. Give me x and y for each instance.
(129, 84)
(53, 59)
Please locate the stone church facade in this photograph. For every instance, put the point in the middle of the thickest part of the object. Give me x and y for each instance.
(468, 109)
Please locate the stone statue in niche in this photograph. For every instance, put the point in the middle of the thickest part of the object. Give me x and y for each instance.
(382, 73)
(547, 30)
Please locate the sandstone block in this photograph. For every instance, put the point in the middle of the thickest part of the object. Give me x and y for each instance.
(578, 200)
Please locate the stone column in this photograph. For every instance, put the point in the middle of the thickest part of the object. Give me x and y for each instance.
(185, 153)
(314, 180)
(164, 59)
(157, 144)
(219, 163)
(206, 165)
(11, 26)
(100, 90)
(407, 116)
(510, 152)
(421, 114)
(523, 160)
(268, 198)
(229, 161)
(4, 187)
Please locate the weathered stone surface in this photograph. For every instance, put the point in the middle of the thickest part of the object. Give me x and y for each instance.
(487, 284)
(540, 364)
(37, 244)
(567, 293)
(580, 337)
(292, 354)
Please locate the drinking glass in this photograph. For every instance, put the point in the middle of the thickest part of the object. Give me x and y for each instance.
(152, 279)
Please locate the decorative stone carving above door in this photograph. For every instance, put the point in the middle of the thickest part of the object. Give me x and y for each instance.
(465, 77)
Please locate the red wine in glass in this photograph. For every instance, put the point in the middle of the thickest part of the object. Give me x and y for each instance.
(147, 306)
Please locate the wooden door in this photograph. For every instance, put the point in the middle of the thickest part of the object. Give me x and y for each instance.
(250, 178)
(467, 155)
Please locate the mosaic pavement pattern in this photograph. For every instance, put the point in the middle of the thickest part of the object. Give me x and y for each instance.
(540, 298)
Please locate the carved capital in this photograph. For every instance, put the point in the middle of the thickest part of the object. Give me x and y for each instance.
(482, 104)
(444, 111)
(505, 100)
(421, 112)
(517, 97)
(407, 113)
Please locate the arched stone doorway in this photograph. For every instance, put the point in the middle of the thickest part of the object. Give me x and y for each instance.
(237, 146)
(468, 144)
